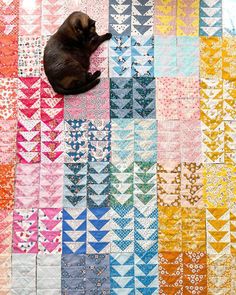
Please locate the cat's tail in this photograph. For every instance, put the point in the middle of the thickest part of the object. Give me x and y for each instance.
(78, 90)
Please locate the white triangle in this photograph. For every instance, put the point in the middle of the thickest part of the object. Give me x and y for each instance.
(74, 235)
(74, 246)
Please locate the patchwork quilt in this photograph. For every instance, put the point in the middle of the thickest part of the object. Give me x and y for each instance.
(129, 188)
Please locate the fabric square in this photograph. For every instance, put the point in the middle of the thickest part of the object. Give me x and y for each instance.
(211, 57)
(120, 56)
(193, 230)
(51, 185)
(169, 229)
(6, 219)
(98, 274)
(29, 99)
(122, 141)
(191, 185)
(29, 56)
(142, 51)
(145, 230)
(195, 272)
(122, 229)
(23, 274)
(165, 56)
(191, 141)
(121, 98)
(76, 141)
(187, 18)
(97, 101)
(30, 18)
(218, 273)
(210, 18)
(219, 185)
(145, 188)
(171, 272)
(121, 184)
(101, 9)
(7, 180)
(5, 273)
(228, 13)
(74, 231)
(144, 98)
(52, 141)
(168, 141)
(48, 274)
(75, 185)
(75, 107)
(98, 230)
(27, 186)
(28, 141)
(188, 56)
(122, 273)
(25, 231)
(169, 184)
(73, 272)
(120, 17)
(165, 17)
(142, 17)
(229, 97)
(99, 141)
(53, 15)
(8, 99)
(50, 230)
(218, 231)
(145, 270)
(9, 58)
(98, 184)
(145, 145)
(229, 142)
(228, 57)
(8, 141)
(99, 60)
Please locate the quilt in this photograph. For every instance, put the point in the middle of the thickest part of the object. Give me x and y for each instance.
(129, 188)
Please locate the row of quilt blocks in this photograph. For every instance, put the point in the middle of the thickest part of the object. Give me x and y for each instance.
(104, 184)
(118, 229)
(165, 272)
(119, 272)
(175, 17)
(139, 98)
(138, 56)
(202, 18)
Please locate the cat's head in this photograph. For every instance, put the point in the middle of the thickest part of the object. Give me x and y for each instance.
(82, 26)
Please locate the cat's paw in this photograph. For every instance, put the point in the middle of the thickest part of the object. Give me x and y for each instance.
(97, 74)
(108, 36)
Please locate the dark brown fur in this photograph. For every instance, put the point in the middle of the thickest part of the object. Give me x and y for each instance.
(67, 55)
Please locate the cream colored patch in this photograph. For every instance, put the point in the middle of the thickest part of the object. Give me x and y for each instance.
(66, 82)
(84, 19)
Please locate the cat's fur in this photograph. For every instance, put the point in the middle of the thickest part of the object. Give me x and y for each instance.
(67, 55)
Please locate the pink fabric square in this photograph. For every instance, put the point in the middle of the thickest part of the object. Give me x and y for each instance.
(191, 141)
(6, 219)
(25, 231)
(51, 185)
(168, 141)
(27, 185)
(98, 101)
(50, 230)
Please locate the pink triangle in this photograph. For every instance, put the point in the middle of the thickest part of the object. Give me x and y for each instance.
(50, 246)
(50, 235)
(51, 213)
